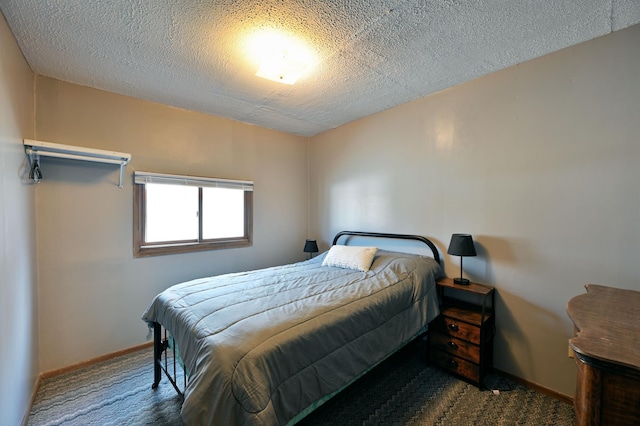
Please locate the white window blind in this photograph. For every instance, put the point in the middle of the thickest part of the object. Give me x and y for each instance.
(205, 182)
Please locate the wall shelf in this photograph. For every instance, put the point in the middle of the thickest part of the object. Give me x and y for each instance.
(37, 149)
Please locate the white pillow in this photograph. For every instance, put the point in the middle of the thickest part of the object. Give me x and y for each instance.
(350, 257)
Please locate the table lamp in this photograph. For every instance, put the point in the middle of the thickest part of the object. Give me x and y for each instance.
(310, 246)
(461, 245)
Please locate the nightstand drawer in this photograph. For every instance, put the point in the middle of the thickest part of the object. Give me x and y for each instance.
(455, 347)
(455, 328)
(455, 365)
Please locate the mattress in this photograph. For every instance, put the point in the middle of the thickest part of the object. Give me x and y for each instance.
(262, 346)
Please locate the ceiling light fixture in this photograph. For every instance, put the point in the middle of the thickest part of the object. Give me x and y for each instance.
(282, 68)
(281, 57)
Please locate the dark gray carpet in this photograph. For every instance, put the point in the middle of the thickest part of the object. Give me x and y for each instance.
(403, 390)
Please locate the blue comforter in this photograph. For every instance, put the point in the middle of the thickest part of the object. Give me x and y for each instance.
(263, 346)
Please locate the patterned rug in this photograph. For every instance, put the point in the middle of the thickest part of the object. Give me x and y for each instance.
(403, 390)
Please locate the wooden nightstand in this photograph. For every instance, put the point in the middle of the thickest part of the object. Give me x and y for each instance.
(461, 337)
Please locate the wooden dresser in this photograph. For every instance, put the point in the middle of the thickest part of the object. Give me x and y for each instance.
(607, 354)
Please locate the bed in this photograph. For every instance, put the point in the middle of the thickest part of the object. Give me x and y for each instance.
(266, 347)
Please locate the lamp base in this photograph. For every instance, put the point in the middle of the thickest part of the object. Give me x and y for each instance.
(461, 281)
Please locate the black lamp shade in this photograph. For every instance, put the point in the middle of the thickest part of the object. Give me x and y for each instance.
(461, 245)
(310, 246)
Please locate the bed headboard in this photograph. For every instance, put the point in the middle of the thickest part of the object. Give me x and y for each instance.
(420, 238)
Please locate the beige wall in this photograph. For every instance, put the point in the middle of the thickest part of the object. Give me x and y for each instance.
(18, 287)
(92, 290)
(540, 162)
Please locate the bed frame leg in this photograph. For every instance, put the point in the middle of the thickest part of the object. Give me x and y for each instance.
(157, 354)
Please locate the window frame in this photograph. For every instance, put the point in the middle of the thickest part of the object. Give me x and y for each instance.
(143, 249)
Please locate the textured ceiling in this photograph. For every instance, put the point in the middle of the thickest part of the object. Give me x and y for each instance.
(373, 54)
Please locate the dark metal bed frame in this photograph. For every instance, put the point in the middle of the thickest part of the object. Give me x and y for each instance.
(161, 343)
(160, 346)
(434, 249)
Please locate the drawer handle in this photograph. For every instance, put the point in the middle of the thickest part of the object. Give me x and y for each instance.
(452, 363)
(452, 345)
(453, 327)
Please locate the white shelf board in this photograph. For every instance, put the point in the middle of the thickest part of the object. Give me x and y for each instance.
(37, 149)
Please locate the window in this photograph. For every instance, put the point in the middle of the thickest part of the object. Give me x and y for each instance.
(179, 214)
